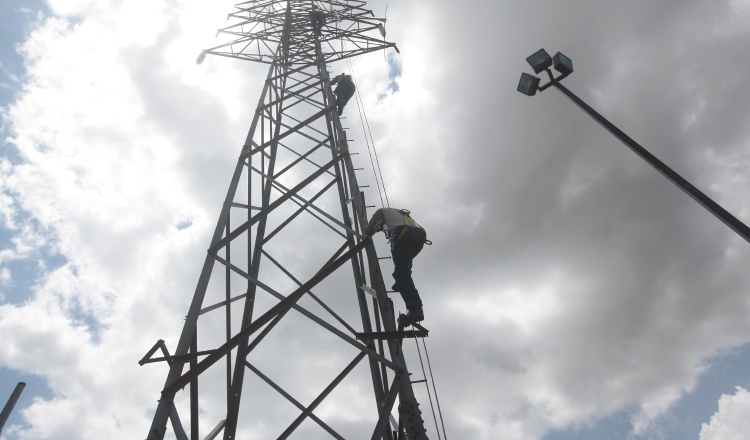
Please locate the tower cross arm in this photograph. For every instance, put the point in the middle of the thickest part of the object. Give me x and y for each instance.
(263, 25)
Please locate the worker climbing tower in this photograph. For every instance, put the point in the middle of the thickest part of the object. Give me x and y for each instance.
(288, 261)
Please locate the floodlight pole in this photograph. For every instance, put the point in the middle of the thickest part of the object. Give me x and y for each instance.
(714, 208)
(8, 408)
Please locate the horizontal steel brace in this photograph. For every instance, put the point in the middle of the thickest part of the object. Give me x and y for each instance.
(304, 156)
(310, 137)
(243, 206)
(322, 396)
(290, 95)
(282, 307)
(221, 304)
(315, 297)
(178, 357)
(312, 316)
(159, 345)
(393, 335)
(267, 209)
(281, 188)
(288, 397)
(303, 208)
(291, 131)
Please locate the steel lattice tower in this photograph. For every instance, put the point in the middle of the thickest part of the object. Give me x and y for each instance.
(293, 199)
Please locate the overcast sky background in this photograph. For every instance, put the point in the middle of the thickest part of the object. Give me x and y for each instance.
(572, 292)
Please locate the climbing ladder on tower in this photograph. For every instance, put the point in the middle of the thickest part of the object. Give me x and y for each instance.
(275, 269)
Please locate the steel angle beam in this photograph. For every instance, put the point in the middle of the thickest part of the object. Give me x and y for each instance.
(306, 413)
(312, 295)
(315, 318)
(292, 193)
(304, 208)
(393, 335)
(291, 399)
(280, 308)
(265, 211)
(292, 130)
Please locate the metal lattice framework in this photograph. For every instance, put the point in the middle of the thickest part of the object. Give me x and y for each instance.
(259, 31)
(293, 212)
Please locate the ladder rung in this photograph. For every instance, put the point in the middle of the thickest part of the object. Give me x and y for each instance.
(393, 335)
(369, 290)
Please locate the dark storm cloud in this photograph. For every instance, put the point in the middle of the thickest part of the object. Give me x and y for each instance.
(553, 191)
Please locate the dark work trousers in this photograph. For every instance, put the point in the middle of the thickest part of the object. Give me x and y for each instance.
(344, 91)
(403, 251)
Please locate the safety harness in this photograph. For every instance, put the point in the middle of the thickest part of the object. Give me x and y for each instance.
(408, 221)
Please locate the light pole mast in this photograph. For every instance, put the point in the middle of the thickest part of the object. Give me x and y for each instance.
(293, 201)
(529, 85)
(10, 404)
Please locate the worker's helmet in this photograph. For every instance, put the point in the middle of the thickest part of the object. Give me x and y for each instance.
(349, 77)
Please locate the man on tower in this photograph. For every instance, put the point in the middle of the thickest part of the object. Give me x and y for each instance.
(318, 19)
(407, 238)
(344, 90)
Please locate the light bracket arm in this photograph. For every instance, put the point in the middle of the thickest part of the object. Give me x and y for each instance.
(552, 80)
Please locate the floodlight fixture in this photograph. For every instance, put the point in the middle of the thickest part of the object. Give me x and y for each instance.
(540, 60)
(563, 64)
(201, 57)
(528, 84)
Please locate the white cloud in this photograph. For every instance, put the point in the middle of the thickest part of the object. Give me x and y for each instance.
(101, 176)
(732, 421)
(7, 210)
(567, 280)
(26, 242)
(5, 281)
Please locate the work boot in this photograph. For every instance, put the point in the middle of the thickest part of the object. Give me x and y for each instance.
(394, 287)
(415, 315)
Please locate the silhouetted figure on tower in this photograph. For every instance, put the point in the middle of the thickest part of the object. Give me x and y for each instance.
(344, 91)
(407, 239)
(318, 19)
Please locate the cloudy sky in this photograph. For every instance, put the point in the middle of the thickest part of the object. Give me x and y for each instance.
(572, 291)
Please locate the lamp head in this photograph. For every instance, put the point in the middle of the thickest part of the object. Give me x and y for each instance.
(563, 64)
(201, 57)
(540, 60)
(528, 84)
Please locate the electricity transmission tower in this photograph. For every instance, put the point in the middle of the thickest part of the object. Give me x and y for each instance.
(291, 222)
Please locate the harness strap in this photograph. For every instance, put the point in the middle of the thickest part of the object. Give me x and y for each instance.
(408, 221)
(403, 232)
(384, 225)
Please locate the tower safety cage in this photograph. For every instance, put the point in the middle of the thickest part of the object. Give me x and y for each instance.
(291, 289)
